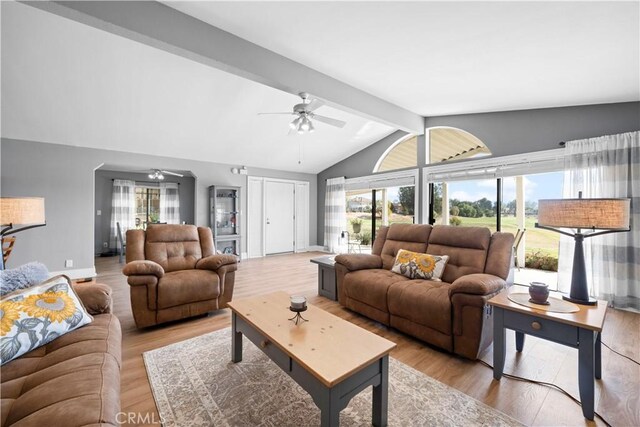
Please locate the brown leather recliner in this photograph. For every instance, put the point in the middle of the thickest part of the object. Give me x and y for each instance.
(174, 273)
(451, 314)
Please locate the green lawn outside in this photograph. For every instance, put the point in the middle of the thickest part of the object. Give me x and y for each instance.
(536, 239)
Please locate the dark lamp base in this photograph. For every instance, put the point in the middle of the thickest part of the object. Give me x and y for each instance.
(590, 301)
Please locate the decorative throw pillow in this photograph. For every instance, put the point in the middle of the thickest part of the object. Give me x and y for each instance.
(22, 277)
(416, 265)
(35, 316)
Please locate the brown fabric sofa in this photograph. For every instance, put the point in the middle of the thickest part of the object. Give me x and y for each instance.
(451, 314)
(174, 273)
(72, 381)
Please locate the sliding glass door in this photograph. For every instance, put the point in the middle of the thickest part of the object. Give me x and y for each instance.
(465, 203)
(147, 205)
(368, 210)
(507, 204)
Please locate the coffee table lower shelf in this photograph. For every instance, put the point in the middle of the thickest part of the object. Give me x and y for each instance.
(330, 400)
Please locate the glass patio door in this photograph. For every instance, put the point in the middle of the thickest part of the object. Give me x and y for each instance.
(368, 210)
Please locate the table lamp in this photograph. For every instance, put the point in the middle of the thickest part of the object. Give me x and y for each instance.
(609, 215)
(18, 214)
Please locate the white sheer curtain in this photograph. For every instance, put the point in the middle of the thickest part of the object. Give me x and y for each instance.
(169, 203)
(608, 166)
(335, 216)
(123, 207)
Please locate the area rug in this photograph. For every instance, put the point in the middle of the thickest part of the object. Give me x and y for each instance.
(195, 383)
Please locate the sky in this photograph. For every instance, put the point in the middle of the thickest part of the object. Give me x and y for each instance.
(536, 187)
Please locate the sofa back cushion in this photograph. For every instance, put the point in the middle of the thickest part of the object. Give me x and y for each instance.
(412, 237)
(466, 246)
(174, 247)
(500, 256)
(381, 236)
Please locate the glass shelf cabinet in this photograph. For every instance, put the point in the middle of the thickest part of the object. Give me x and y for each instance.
(224, 218)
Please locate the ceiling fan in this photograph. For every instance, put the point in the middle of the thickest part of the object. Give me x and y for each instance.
(159, 174)
(304, 113)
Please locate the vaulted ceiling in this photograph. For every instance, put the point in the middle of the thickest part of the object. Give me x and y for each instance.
(380, 66)
(450, 57)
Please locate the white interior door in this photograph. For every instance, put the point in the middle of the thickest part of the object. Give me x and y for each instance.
(279, 217)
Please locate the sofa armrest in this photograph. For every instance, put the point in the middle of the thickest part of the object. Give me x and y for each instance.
(477, 284)
(143, 268)
(95, 297)
(214, 262)
(142, 280)
(354, 262)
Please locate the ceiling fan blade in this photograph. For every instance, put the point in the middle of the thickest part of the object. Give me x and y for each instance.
(314, 105)
(173, 173)
(262, 114)
(328, 120)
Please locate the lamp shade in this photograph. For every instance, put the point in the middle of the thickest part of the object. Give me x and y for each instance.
(21, 210)
(604, 214)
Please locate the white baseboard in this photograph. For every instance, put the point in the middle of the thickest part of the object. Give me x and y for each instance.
(77, 273)
(316, 249)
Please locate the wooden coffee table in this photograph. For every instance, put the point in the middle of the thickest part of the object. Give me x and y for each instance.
(332, 359)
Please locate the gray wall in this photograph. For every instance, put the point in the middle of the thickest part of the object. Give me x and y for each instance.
(515, 132)
(64, 176)
(103, 192)
(505, 133)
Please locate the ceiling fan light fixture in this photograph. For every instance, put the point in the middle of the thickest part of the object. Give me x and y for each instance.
(305, 125)
(311, 127)
(295, 123)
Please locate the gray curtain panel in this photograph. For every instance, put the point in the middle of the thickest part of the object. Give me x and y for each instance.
(123, 205)
(606, 167)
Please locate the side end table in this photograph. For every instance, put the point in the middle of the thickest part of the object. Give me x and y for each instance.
(579, 330)
(327, 286)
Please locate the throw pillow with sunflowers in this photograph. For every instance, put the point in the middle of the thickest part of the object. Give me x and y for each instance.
(416, 265)
(35, 316)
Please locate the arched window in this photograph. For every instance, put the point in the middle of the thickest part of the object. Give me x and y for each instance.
(400, 155)
(448, 144)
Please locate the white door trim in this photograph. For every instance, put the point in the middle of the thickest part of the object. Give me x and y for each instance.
(251, 235)
(262, 235)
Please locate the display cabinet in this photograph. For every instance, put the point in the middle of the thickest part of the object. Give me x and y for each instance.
(224, 218)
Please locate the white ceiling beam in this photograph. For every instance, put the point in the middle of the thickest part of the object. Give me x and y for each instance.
(162, 27)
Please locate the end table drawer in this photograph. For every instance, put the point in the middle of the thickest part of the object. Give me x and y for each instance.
(543, 328)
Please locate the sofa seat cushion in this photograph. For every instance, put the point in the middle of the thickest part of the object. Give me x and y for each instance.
(187, 286)
(424, 302)
(72, 381)
(371, 286)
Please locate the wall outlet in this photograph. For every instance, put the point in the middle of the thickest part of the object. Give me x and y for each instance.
(105, 244)
(68, 263)
(98, 212)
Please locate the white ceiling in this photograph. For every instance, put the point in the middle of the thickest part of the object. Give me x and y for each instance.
(68, 83)
(436, 58)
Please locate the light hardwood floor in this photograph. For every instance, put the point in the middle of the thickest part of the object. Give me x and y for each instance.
(617, 394)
